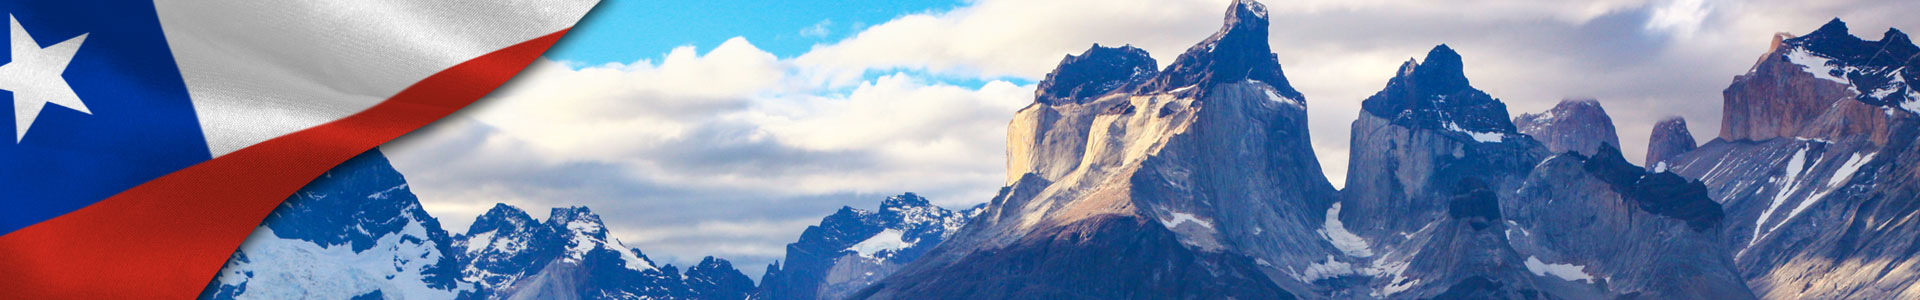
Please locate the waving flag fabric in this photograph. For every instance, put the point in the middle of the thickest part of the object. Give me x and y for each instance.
(150, 137)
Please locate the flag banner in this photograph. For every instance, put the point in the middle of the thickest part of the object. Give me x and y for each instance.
(151, 137)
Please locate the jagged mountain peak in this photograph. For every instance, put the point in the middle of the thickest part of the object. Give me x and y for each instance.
(1435, 94)
(1095, 72)
(904, 201)
(578, 219)
(1238, 52)
(1878, 72)
(1441, 72)
(1832, 29)
(501, 216)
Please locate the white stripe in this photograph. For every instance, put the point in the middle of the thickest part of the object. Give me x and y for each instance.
(259, 69)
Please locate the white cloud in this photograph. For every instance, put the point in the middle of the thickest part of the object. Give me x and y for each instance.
(708, 139)
(818, 30)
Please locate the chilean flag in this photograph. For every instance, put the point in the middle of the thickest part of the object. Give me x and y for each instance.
(150, 137)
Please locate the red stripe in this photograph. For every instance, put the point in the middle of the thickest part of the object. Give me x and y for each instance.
(167, 238)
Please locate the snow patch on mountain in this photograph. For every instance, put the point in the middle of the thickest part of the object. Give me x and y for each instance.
(1184, 218)
(1328, 269)
(1834, 182)
(887, 240)
(271, 267)
(1788, 185)
(1336, 232)
(1568, 272)
(1483, 137)
(1820, 66)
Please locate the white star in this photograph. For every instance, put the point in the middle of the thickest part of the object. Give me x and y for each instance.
(34, 77)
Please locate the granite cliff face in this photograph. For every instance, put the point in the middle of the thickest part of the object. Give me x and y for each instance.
(1796, 88)
(1670, 138)
(1198, 181)
(1816, 170)
(1438, 209)
(1578, 125)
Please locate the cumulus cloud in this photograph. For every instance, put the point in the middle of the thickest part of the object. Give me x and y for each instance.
(724, 153)
(733, 151)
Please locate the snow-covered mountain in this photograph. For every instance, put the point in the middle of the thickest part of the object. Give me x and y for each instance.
(854, 248)
(1816, 165)
(357, 232)
(569, 256)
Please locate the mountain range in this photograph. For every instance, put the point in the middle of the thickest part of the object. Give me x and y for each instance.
(1197, 181)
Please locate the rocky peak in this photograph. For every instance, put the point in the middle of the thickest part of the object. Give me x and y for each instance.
(1238, 52)
(1578, 125)
(1436, 95)
(1878, 71)
(579, 220)
(1670, 138)
(903, 202)
(1800, 79)
(1834, 29)
(716, 278)
(501, 216)
(1095, 72)
(1442, 73)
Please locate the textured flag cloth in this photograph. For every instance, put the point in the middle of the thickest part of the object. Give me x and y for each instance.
(151, 137)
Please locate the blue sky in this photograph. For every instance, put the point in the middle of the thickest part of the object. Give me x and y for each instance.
(624, 31)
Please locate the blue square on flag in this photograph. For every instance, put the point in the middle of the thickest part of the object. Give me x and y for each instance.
(99, 106)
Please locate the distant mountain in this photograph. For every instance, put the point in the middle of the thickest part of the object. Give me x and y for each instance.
(570, 256)
(357, 232)
(1816, 165)
(1670, 138)
(854, 248)
(1578, 125)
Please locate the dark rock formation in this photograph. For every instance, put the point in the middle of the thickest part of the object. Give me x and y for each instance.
(1096, 72)
(1435, 95)
(716, 279)
(1239, 51)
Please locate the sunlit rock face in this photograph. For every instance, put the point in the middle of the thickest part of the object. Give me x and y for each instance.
(1816, 169)
(1197, 181)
